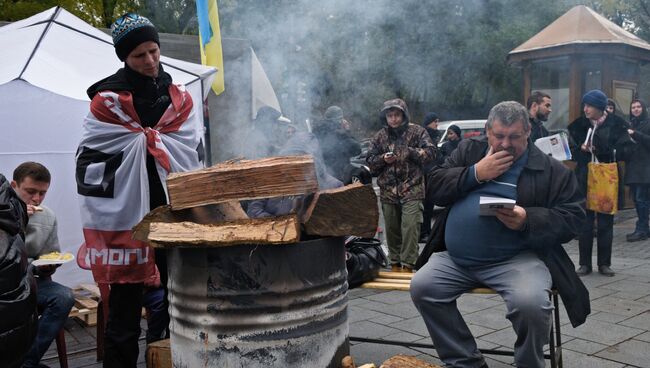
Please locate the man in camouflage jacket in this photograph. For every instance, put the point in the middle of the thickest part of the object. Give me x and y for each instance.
(397, 156)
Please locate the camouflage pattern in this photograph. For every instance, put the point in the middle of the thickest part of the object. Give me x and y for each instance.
(402, 181)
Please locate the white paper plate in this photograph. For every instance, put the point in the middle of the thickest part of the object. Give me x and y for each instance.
(45, 262)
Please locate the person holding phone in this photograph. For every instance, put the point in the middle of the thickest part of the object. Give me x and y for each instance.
(397, 156)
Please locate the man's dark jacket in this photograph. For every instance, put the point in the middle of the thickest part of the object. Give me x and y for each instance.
(18, 316)
(554, 206)
(537, 130)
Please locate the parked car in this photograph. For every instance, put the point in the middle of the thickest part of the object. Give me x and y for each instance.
(468, 128)
(360, 160)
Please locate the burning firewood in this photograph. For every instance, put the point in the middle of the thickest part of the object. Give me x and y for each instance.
(269, 230)
(223, 212)
(349, 210)
(242, 180)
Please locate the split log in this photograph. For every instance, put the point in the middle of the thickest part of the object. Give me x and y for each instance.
(223, 212)
(268, 230)
(243, 180)
(406, 361)
(349, 210)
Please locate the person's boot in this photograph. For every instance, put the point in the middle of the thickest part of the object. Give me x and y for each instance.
(407, 269)
(606, 271)
(583, 270)
(395, 267)
(636, 236)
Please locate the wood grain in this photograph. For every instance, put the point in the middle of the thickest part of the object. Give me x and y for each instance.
(270, 230)
(349, 210)
(243, 180)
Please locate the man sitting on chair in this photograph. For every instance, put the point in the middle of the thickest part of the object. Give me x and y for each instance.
(517, 252)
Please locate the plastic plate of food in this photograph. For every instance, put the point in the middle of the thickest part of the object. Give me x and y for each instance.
(53, 258)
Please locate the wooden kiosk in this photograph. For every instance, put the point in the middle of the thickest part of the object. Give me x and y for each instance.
(578, 52)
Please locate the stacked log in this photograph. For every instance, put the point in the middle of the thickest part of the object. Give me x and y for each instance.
(205, 206)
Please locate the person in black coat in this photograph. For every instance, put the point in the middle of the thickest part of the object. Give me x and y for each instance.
(454, 136)
(430, 123)
(518, 252)
(609, 139)
(17, 285)
(539, 108)
(336, 143)
(637, 168)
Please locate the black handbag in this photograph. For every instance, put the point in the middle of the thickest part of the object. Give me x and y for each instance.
(363, 260)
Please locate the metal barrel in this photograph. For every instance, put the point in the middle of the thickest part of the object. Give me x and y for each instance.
(259, 305)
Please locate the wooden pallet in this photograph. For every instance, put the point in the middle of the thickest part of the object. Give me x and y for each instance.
(402, 281)
(390, 281)
(86, 300)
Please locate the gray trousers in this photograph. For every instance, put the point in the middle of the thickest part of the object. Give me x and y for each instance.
(523, 282)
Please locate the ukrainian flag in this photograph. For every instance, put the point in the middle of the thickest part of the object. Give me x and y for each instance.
(210, 40)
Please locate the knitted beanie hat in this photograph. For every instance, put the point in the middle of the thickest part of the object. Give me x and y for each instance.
(129, 31)
(456, 130)
(334, 113)
(429, 117)
(595, 98)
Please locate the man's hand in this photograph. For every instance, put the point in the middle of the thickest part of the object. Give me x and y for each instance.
(390, 158)
(514, 219)
(493, 165)
(46, 270)
(31, 209)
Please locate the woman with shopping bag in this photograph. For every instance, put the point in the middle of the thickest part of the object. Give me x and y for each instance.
(602, 140)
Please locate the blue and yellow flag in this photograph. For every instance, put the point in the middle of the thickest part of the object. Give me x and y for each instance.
(210, 39)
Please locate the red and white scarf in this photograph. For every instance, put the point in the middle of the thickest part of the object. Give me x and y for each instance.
(112, 177)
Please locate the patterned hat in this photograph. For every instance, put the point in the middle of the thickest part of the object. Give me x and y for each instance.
(129, 31)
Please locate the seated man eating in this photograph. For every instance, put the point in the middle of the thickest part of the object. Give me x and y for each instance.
(516, 252)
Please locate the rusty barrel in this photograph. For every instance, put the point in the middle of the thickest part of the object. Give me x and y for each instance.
(259, 305)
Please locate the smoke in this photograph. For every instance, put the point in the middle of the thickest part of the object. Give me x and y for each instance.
(445, 56)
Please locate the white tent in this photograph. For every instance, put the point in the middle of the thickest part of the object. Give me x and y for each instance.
(48, 61)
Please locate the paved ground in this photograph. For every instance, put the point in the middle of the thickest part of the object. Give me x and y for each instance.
(617, 334)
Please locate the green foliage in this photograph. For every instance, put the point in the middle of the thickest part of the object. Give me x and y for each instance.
(445, 55)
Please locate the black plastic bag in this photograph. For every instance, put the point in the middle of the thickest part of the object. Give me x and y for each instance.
(363, 259)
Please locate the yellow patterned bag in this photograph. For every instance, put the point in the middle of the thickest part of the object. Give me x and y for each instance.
(602, 187)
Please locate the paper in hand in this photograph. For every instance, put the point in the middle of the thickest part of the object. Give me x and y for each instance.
(489, 205)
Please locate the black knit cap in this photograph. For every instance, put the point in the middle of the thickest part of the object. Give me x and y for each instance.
(129, 31)
(456, 130)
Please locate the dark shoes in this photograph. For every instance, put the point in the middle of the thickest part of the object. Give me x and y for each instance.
(603, 270)
(606, 271)
(397, 268)
(583, 270)
(634, 237)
